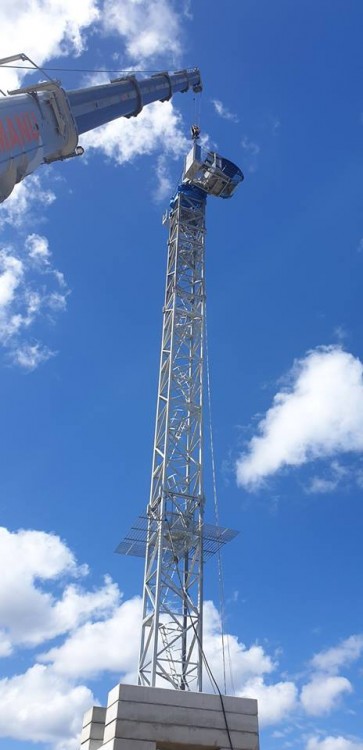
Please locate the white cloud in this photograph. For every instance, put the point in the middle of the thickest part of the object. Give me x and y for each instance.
(245, 662)
(39, 706)
(38, 248)
(109, 645)
(251, 150)
(24, 296)
(333, 743)
(30, 356)
(30, 286)
(318, 414)
(27, 196)
(149, 27)
(322, 485)
(43, 30)
(164, 187)
(29, 613)
(345, 653)
(41, 597)
(159, 125)
(11, 272)
(250, 147)
(249, 667)
(5, 645)
(223, 111)
(275, 702)
(323, 693)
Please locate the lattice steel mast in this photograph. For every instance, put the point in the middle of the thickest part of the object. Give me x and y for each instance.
(173, 535)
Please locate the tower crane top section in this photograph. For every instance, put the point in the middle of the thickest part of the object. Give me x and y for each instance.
(211, 173)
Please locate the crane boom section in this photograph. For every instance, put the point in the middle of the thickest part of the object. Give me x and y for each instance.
(126, 97)
(40, 124)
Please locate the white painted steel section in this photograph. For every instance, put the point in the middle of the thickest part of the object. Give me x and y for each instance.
(173, 583)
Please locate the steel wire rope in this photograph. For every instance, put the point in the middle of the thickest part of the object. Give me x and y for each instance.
(224, 637)
(209, 671)
(127, 71)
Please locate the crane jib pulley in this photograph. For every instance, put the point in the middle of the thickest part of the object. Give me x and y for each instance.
(41, 123)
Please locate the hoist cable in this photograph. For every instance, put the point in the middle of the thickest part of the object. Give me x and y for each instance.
(213, 681)
(224, 637)
(128, 71)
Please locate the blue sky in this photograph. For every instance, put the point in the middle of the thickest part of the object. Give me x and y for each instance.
(82, 260)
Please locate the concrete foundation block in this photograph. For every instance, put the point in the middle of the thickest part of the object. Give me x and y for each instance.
(92, 745)
(167, 714)
(160, 696)
(93, 728)
(144, 718)
(96, 715)
(92, 732)
(205, 737)
(117, 744)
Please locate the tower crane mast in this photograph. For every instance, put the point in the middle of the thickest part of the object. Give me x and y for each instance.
(41, 123)
(173, 535)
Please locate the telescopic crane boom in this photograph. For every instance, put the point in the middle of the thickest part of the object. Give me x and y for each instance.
(40, 124)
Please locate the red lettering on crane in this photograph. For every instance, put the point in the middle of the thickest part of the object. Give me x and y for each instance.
(3, 138)
(14, 138)
(18, 131)
(33, 125)
(24, 128)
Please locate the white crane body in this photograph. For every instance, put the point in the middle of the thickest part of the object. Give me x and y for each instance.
(40, 124)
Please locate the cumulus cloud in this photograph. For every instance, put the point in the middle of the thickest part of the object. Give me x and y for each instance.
(159, 125)
(30, 286)
(109, 645)
(223, 111)
(276, 701)
(246, 662)
(38, 248)
(333, 743)
(44, 30)
(329, 483)
(326, 688)
(347, 652)
(323, 693)
(11, 272)
(164, 187)
(251, 667)
(317, 415)
(30, 356)
(30, 614)
(44, 595)
(39, 706)
(18, 210)
(96, 633)
(148, 27)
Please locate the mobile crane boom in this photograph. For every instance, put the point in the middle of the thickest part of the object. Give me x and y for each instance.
(40, 124)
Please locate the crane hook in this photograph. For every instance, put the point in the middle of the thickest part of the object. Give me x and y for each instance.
(195, 129)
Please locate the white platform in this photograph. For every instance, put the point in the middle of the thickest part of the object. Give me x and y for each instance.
(143, 718)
